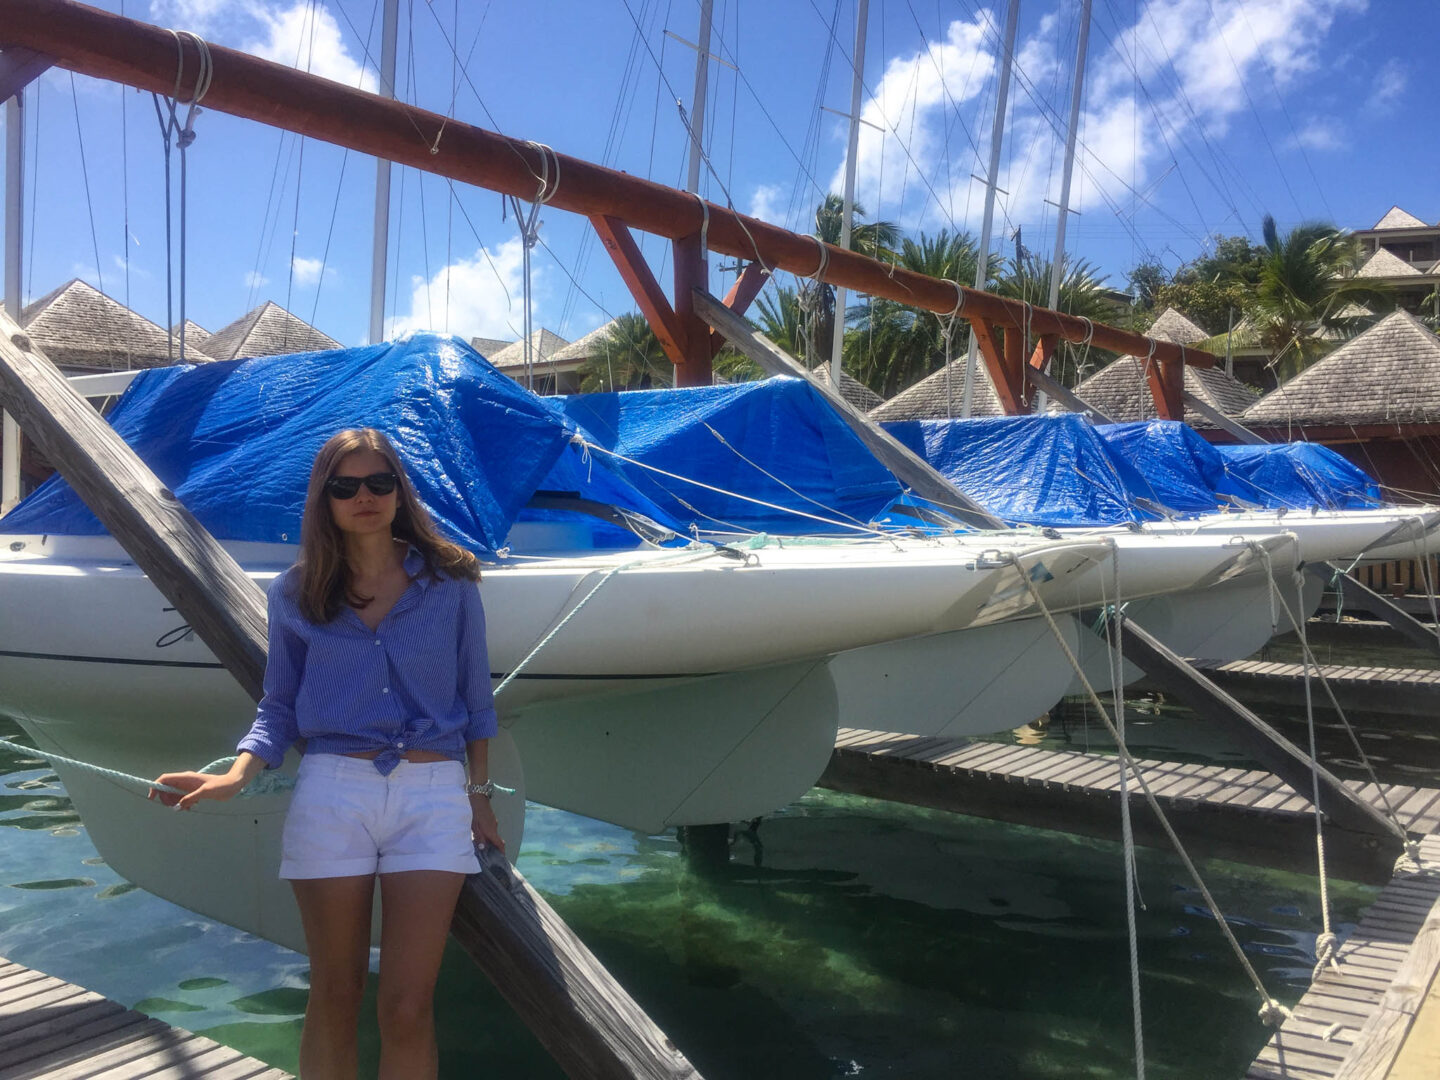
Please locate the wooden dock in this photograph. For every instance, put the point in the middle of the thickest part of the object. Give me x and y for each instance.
(54, 1030)
(1376, 1016)
(1413, 692)
(1212, 807)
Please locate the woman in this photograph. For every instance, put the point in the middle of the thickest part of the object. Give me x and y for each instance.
(378, 663)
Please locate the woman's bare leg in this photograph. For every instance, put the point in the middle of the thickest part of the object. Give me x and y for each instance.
(336, 916)
(416, 909)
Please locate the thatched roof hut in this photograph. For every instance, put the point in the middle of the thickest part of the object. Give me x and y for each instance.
(940, 394)
(83, 331)
(1376, 399)
(269, 330)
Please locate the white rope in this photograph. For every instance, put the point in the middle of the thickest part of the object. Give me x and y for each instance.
(1271, 1011)
(819, 274)
(868, 530)
(1127, 834)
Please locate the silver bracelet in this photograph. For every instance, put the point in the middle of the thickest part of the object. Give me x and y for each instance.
(487, 789)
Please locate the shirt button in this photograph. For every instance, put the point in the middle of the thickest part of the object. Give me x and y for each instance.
(400, 745)
(377, 642)
(385, 689)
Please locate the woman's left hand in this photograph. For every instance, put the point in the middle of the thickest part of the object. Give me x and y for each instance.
(483, 826)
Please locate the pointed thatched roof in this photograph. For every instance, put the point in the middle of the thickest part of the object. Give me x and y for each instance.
(195, 334)
(269, 330)
(82, 330)
(1122, 392)
(1175, 328)
(544, 344)
(1388, 374)
(586, 346)
(488, 347)
(940, 395)
(1395, 218)
(852, 390)
(1386, 264)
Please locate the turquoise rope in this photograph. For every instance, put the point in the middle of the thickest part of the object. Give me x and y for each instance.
(270, 782)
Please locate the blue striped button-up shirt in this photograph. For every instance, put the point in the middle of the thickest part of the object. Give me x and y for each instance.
(419, 681)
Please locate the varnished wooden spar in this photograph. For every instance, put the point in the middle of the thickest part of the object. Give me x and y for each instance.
(109, 46)
(584, 1018)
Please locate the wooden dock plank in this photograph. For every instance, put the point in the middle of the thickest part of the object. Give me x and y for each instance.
(61, 1031)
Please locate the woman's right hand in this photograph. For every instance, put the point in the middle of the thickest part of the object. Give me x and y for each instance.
(197, 786)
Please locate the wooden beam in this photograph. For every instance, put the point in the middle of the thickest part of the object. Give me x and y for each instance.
(691, 273)
(1167, 387)
(1219, 419)
(1015, 358)
(911, 469)
(1253, 736)
(1058, 391)
(583, 1017)
(1039, 361)
(994, 357)
(650, 298)
(19, 67)
(209, 591)
(110, 46)
(741, 295)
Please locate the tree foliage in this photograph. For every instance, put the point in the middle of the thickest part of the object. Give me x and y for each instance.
(629, 358)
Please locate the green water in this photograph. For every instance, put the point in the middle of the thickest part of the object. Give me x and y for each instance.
(847, 937)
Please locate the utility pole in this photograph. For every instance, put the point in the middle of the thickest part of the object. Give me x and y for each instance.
(847, 220)
(1077, 87)
(380, 252)
(14, 249)
(997, 134)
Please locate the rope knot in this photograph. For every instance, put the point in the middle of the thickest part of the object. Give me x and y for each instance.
(1272, 1013)
(1326, 946)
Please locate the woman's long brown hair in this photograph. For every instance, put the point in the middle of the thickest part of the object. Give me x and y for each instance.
(324, 585)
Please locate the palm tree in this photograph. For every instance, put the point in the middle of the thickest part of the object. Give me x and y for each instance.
(893, 345)
(629, 358)
(1306, 283)
(875, 238)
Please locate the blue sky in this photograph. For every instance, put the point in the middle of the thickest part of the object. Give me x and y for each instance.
(1200, 116)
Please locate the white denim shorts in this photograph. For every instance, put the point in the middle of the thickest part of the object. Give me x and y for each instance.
(346, 819)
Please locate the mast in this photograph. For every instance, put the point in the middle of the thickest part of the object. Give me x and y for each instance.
(109, 46)
(1077, 87)
(380, 252)
(997, 135)
(837, 337)
(697, 100)
(14, 249)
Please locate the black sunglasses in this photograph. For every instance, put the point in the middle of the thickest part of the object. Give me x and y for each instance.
(347, 487)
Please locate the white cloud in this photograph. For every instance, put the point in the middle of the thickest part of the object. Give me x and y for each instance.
(1194, 61)
(1319, 133)
(197, 16)
(765, 202)
(474, 297)
(308, 38)
(255, 280)
(136, 270)
(1390, 83)
(307, 271)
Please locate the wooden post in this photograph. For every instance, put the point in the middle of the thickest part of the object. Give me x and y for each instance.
(635, 272)
(741, 295)
(911, 469)
(1172, 674)
(691, 273)
(575, 1008)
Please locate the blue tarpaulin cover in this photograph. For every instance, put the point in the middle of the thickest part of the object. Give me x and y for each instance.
(235, 440)
(1036, 470)
(777, 441)
(1298, 475)
(1176, 466)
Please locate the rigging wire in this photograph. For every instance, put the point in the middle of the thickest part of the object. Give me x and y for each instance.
(299, 185)
(85, 175)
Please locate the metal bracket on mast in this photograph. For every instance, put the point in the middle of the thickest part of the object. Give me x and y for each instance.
(19, 67)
